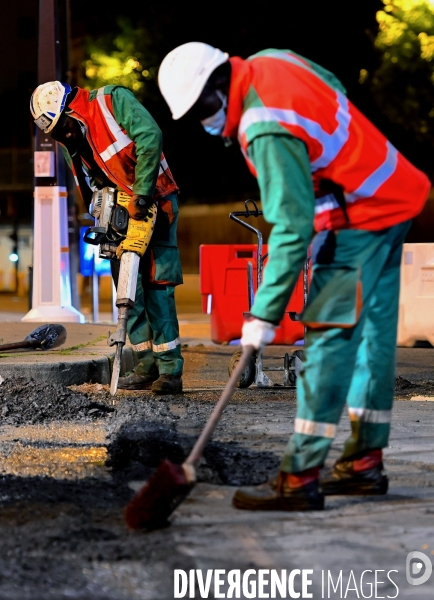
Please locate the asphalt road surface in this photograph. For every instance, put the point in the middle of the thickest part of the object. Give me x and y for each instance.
(70, 459)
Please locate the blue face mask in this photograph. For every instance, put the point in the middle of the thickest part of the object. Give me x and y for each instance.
(215, 124)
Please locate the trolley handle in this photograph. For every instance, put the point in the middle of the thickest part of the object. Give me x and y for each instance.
(246, 214)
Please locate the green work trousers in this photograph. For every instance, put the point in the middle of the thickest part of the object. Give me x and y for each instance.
(153, 330)
(350, 346)
(152, 325)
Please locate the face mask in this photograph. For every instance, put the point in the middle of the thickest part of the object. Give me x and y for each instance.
(215, 124)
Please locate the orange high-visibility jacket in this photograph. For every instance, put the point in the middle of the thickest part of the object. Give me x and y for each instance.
(114, 148)
(278, 92)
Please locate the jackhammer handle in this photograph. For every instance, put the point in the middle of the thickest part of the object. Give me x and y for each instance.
(100, 234)
(223, 401)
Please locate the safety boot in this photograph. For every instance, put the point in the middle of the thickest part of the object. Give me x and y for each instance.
(358, 477)
(167, 384)
(137, 382)
(277, 494)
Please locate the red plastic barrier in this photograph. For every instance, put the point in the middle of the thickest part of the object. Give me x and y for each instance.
(223, 285)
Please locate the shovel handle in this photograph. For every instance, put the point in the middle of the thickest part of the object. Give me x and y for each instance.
(23, 344)
(223, 401)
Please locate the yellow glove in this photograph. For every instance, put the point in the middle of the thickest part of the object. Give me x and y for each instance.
(139, 233)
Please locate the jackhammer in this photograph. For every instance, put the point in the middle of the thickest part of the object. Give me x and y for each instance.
(117, 234)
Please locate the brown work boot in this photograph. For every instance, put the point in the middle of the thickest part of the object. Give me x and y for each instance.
(167, 384)
(277, 494)
(359, 477)
(137, 382)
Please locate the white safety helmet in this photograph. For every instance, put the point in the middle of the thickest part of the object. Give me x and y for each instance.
(47, 103)
(184, 73)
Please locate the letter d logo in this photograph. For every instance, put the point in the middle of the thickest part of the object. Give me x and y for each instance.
(414, 568)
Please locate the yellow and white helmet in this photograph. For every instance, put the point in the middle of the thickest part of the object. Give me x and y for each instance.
(47, 103)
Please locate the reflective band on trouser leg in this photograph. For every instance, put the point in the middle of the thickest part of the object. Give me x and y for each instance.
(166, 346)
(369, 431)
(327, 430)
(146, 363)
(368, 415)
(308, 446)
(142, 346)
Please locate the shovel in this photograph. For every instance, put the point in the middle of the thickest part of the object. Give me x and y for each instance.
(43, 337)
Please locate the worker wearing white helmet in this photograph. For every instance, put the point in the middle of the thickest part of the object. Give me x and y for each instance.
(184, 73)
(321, 166)
(47, 104)
(109, 139)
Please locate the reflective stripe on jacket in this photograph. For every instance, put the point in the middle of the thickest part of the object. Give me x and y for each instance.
(115, 150)
(278, 92)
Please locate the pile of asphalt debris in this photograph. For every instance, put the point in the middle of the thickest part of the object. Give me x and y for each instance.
(142, 434)
(406, 388)
(143, 430)
(30, 402)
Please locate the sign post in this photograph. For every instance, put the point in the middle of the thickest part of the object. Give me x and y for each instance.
(51, 295)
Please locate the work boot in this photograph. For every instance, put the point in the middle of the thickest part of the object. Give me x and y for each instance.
(137, 382)
(358, 477)
(167, 384)
(277, 494)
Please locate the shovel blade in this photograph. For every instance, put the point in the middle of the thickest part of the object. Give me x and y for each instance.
(48, 336)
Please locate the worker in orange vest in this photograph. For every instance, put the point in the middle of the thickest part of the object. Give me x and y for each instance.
(321, 166)
(110, 140)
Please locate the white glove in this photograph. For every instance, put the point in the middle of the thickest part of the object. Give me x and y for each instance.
(257, 333)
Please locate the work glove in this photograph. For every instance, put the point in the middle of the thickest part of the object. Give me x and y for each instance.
(140, 207)
(257, 333)
(139, 234)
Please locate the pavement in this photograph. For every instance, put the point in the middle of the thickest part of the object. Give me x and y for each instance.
(85, 355)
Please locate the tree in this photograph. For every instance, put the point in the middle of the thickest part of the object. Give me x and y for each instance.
(127, 59)
(403, 83)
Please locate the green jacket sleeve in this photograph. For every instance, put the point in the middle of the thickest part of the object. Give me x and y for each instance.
(145, 133)
(288, 202)
(66, 156)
